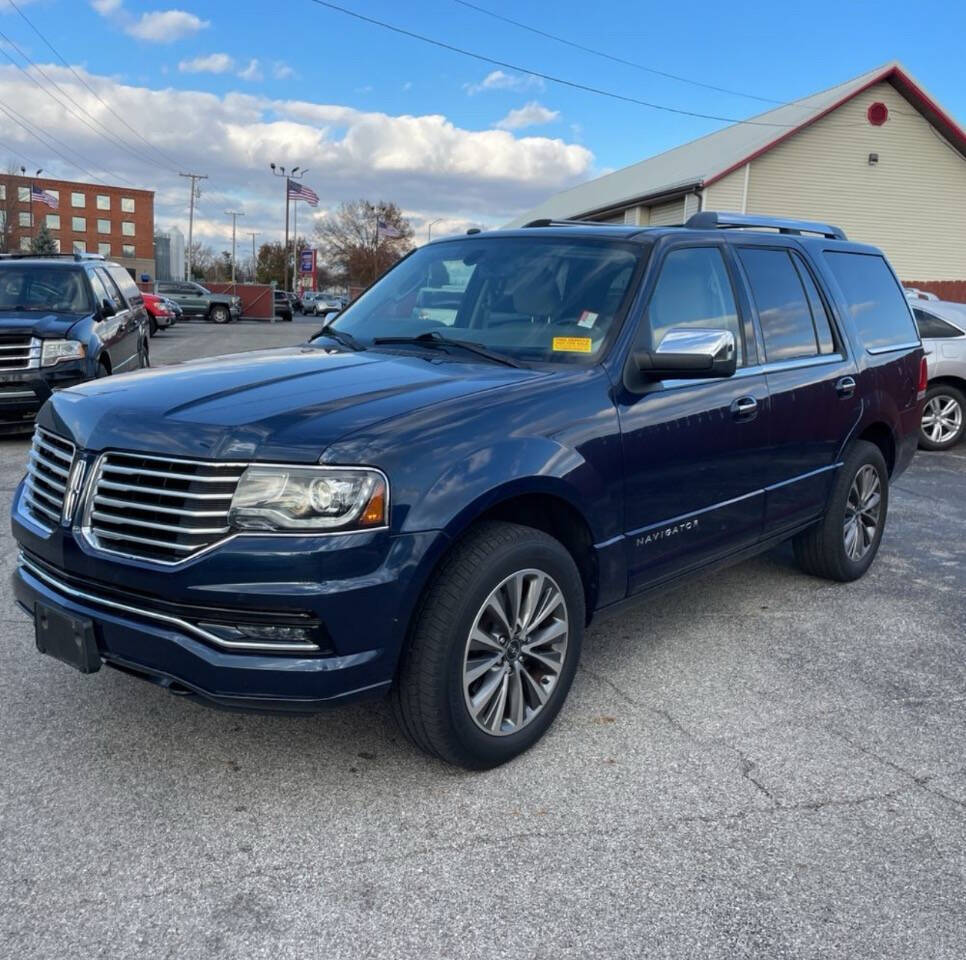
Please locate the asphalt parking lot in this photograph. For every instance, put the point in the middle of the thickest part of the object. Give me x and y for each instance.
(758, 764)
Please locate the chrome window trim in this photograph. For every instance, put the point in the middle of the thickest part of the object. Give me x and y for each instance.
(71, 592)
(776, 366)
(875, 351)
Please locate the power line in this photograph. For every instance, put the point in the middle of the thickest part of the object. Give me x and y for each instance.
(59, 56)
(612, 57)
(573, 84)
(22, 121)
(22, 156)
(59, 103)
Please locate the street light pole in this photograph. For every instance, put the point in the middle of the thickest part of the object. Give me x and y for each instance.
(234, 214)
(432, 224)
(254, 258)
(293, 174)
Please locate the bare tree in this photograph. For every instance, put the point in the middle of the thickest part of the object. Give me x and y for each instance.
(362, 239)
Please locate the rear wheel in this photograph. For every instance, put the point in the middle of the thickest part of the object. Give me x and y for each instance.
(144, 357)
(943, 418)
(494, 648)
(220, 314)
(843, 546)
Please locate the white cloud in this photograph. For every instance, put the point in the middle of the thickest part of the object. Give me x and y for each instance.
(532, 114)
(282, 71)
(252, 72)
(213, 63)
(498, 80)
(424, 163)
(156, 26)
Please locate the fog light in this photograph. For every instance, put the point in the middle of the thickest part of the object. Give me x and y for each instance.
(267, 633)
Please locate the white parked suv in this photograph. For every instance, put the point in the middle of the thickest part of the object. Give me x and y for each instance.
(942, 326)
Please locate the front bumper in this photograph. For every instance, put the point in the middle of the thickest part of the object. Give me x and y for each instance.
(24, 392)
(355, 591)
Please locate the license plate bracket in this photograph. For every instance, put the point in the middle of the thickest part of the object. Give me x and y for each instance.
(67, 638)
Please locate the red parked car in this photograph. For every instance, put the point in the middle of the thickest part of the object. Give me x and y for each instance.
(161, 312)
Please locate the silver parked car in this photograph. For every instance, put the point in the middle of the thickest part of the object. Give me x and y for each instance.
(942, 326)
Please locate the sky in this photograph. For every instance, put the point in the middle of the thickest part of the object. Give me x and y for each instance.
(226, 88)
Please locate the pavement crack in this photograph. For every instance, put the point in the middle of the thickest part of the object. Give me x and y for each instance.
(748, 768)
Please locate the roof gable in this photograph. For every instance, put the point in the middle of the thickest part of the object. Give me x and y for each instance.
(713, 156)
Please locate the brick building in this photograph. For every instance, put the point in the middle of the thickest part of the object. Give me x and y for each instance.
(115, 221)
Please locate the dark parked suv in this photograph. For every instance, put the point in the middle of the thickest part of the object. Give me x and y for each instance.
(437, 494)
(64, 319)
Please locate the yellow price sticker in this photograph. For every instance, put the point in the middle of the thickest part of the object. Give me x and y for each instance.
(573, 344)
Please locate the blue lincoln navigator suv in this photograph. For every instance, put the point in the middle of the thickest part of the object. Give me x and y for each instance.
(507, 434)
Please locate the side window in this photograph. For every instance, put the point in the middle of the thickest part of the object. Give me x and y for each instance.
(110, 288)
(126, 285)
(693, 290)
(786, 318)
(878, 306)
(820, 316)
(100, 291)
(932, 328)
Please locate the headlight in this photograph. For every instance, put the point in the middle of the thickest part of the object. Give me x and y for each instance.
(310, 499)
(57, 350)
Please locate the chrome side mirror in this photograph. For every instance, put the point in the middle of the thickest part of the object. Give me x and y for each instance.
(687, 353)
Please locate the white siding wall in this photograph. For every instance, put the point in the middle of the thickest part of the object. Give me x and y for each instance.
(726, 194)
(912, 203)
(667, 213)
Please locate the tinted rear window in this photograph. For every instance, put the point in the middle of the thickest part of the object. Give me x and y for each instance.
(877, 305)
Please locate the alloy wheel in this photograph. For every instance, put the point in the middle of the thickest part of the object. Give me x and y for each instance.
(515, 652)
(942, 418)
(862, 511)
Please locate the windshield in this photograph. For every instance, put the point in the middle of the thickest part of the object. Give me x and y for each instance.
(42, 288)
(533, 299)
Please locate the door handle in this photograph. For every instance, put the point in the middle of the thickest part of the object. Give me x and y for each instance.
(744, 408)
(845, 386)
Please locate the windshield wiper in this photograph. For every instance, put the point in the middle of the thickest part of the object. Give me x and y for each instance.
(340, 336)
(432, 338)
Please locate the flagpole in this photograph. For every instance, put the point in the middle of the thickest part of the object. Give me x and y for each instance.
(295, 243)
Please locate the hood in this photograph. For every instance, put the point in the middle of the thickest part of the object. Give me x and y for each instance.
(36, 324)
(286, 404)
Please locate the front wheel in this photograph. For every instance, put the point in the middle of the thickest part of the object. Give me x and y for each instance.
(844, 544)
(494, 649)
(943, 418)
(220, 314)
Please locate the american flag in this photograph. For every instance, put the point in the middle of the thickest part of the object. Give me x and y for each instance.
(299, 191)
(38, 195)
(384, 229)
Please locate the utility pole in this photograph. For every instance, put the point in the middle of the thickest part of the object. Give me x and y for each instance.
(191, 210)
(234, 214)
(254, 258)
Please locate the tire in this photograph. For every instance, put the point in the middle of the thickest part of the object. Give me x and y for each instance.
(144, 356)
(152, 326)
(431, 698)
(219, 314)
(943, 418)
(824, 550)
(102, 370)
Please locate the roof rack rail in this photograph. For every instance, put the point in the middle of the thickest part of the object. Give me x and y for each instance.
(712, 220)
(26, 255)
(547, 222)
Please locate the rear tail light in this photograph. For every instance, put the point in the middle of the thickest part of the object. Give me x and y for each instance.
(923, 377)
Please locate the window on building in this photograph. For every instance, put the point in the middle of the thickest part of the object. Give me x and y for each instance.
(127, 228)
(78, 224)
(56, 244)
(25, 243)
(127, 204)
(3, 191)
(693, 290)
(54, 193)
(103, 226)
(786, 318)
(80, 246)
(25, 219)
(104, 249)
(103, 202)
(53, 221)
(878, 306)
(78, 200)
(932, 327)
(127, 250)
(23, 194)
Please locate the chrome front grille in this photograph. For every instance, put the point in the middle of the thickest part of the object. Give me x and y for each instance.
(19, 352)
(48, 476)
(159, 509)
